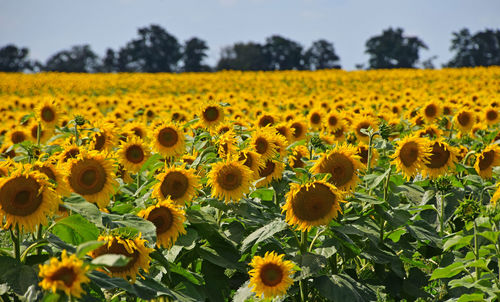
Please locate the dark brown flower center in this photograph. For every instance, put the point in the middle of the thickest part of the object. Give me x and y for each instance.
(48, 115)
(464, 118)
(313, 203)
(168, 137)
(268, 169)
(135, 154)
(430, 111)
(175, 184)
(486, 160)
(20, 196)
(409, 153)
(230, 178)
(211, 113)
(162, 218)
(65, 274)
(271, 274)
(439, 156)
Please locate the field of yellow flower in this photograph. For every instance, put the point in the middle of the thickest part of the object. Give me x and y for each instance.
(248, 186)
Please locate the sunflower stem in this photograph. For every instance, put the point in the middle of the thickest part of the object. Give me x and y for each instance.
(476, 251)
(38, 134)
(77, 138)
(39, 236)
(303, 250)
(16, 239)
(314, 239)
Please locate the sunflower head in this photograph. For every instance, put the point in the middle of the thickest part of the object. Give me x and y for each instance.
(343, 165)
(105, 138)
(491, 115)
(252, 160)
(442, 158)
(315, 118)
(299, 130)
(263, 142)
(168, 220)
(67, 274)
(230, 179)
(177, 183)
(227, 144)
(27, 198)
(464, 120)
(312, 204)
(411, 155)
(363, 122)
(270, 275)
(133, 154)
(333, 121)
(489, 158)
(47, 113)
(431, 111)
(133, 248)
(272, 170)
(211, 115)
(92, 176)
(168, 140)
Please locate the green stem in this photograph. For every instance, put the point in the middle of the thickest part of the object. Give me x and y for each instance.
(441, 216)
(314, 239)
(476, 251)
(386, 196)
(303, 249)
(369, 160)
(39, 236)
(16, 239)
(138, 179)
(38, 134)
(77, 135)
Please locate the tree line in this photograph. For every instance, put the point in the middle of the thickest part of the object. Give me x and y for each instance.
(156, 50)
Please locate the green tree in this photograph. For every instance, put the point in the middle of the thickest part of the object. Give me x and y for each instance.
(79, 58)
(193, 55)
(155, 50)
(14, 59)
(243, 56)
(393, 50)
(109, 62)
(321, 55)
(283, 54)
(480, 49)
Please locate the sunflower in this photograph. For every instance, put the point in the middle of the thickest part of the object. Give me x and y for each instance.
(333, 121)
(489, 158)
(54, 175)
(363, 122)
(16, 136)
(491, 116)
(430, 131)
(285, 130)
(91, 175)
(270, 276)
(71, 151)
(315, 118)
(299, 129)
(67, 275)
(133, 154)
(168, 220)
(45, 133)
(312, 204)
(262, 142)
(105, 138)
(230, 179)
(295, 159)
(26, 199)
(411, 155)
(272, 170)
(133, 248)
(227, 144)
(266, 120)
(464, 120)
(496, 196)
(47, 113)
(138, 129)
(431, 111)
(442, 158)
(342, 163)
(168, 140)
(252, 160)
(211, 115)
(177, 183)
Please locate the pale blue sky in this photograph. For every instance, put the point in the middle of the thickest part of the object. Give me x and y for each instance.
(47, 26)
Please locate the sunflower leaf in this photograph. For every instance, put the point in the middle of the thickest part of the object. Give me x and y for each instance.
(113, 260)
(88, 246)
(75, 229)
(263, 233)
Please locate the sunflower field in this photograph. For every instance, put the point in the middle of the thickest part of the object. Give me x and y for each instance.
(251, 186)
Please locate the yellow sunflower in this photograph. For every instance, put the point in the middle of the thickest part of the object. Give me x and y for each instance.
(431, 111)
(67, 274)
(364, 122)
(178, 183)
(168, 140)
(411, 155)
(105, 138)
(262, 142)
(70, 151)
(26, 199)
(48, 113)
(295, 159)
(342, 163)
(464, 120)
(133, 154)
(91, 175)
(252, 160)
(491, 116)
(230, 179)
(168, 220)
(138, 129)
(266, 120)
(315, 118)
(442, 158)
(285, 130)
(299, 130)
(54, 173)
(133, 248)
(211, 115)
(496, 196)
(333, 121)
(489, 158)
(312, 204)
(270, 275)
(16, 136)
(227, 143)
(272, 170)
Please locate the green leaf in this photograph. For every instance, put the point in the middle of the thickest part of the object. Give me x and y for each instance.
(458, 241)
(52, 297)
(75, 229)
(491, 235)
(188, 275)
(263, 233)
(447, 272)
(263, 194)
(378, 179)
(88, 246)
(19, 277)
(396, 235)
(79, 205)
(310, 264)
(471, 297)
(343, 288)
(112, 260)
